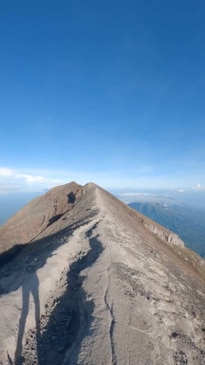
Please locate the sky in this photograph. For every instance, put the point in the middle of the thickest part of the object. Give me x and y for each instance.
(106, 91)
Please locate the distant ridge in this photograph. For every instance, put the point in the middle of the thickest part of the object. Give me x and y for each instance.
(184, 220)
(85, 279)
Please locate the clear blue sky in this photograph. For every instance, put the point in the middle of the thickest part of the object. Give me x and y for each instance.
(105, 91)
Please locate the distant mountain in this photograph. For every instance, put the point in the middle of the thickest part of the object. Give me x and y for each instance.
(186, 221)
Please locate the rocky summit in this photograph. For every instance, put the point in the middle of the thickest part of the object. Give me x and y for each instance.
(86, 280)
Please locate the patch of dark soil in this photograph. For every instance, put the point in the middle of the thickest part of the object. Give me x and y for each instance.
(180, 358)
(71, 198)
(54, 219)
(132, 282)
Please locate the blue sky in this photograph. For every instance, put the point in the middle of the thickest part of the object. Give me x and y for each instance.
(106, 91)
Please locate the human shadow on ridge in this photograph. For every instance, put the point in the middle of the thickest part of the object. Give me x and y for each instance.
(24, 259)
(27, 260)
(28, 287)
(71, 318)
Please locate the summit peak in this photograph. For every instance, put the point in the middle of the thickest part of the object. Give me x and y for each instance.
(108, 285)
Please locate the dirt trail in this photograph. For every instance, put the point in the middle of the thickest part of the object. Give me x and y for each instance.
(97, 287)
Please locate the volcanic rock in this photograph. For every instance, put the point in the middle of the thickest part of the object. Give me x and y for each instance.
(86, 280)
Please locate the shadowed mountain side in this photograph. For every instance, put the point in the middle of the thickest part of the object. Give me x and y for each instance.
(70, 318)
(10, 254)
(34, 218)
(32, 256)
(101, 284)
(23, 261)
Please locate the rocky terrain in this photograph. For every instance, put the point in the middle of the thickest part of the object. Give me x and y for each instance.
(86, 280)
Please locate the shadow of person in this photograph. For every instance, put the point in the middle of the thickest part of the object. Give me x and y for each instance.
(31, 286)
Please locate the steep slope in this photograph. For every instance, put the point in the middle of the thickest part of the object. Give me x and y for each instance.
(100, 285)
(186, 221)
(37, 217)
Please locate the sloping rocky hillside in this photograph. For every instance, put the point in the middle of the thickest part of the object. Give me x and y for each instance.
(85, 279)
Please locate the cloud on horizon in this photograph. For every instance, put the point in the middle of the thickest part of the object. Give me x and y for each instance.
(39, 179)
(14, 180)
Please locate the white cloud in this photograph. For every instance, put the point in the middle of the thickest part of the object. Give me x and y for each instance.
(4, 171)
(129, 181)
(30, 178)
(197, 187)
(133, 194)
(24, 180)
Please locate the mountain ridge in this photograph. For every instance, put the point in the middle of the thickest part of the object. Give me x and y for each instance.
(105, 288)
(186, 221)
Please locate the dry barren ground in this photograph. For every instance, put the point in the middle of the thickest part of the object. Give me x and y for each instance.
(100, 285)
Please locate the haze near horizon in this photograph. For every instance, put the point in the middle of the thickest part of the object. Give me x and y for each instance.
(108, 92)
